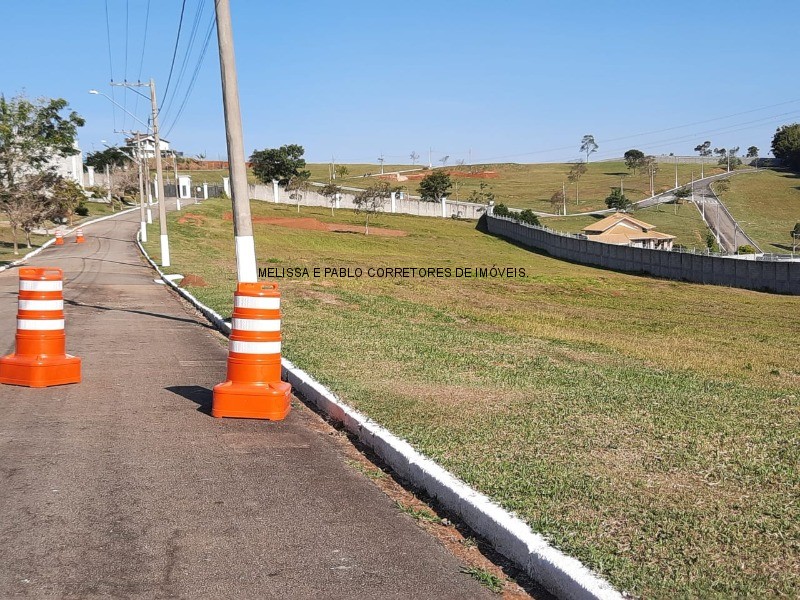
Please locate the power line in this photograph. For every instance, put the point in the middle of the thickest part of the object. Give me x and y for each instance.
(125, 72)
(174, 53)
(144, 46)
(110, 67)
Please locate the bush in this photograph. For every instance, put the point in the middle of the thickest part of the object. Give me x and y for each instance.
(82, 210)
(527, 216)
(501, 210)
(746, 249)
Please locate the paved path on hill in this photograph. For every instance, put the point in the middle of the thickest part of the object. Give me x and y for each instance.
(124, 486)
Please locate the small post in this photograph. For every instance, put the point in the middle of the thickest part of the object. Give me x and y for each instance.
(275, 191)
(205, 191)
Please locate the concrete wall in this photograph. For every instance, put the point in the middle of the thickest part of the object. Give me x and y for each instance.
(782, 277)
(408, 206)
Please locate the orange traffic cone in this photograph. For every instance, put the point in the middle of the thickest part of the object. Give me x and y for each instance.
(254, 389)
(79, 239)
(40, 359)
(59, 238)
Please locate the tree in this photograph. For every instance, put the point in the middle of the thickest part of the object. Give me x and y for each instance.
(703, 149)
(67, 196)
(634, 159)
(680, 195)
(371, 200)
(414, 157)
(576, 171)
(279, 164)
(616, 199)
(297, 186)
(435, 186)
(444, 160)
(32, 134)
(786, 145)
(557, 201)
(795, 234)
(483, 195)
(110, 157)
(650, 166)
(588, 145)
(331, 191)
(341, 171)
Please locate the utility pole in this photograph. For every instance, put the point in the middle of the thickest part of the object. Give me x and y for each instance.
(108, 187)
(430, 164)
(246, 271)
(564, 197)
(676, 171)
(162, 200)
(142, 214)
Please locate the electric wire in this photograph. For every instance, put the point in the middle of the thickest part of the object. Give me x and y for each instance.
(110, 67)
(174, 54)
(141, 58)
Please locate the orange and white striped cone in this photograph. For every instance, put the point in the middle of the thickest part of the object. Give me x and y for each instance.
(59, 238)
(40, 359)
(254, 389)
(79, 239)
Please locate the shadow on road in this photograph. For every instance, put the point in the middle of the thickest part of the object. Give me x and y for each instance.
(197, 394)
(140, 312)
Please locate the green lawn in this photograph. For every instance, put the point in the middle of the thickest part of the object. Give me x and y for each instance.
(519, 185)
(683, 221)
(767, 206)
(647, 427)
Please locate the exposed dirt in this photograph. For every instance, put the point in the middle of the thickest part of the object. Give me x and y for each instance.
(313, 224)
(194, 281)
(192, 219)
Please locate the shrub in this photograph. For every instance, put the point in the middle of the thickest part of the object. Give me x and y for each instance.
(82, 210)
(527, 216)
(746, 249)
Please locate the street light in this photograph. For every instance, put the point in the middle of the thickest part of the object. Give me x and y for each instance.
(115, 103)
(144, 221)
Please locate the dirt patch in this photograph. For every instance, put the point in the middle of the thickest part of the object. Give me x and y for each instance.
(467, 174)
(313, 224)
(192, 219)
(194, 281)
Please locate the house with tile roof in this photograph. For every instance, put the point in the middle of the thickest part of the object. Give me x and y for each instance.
(621, 229)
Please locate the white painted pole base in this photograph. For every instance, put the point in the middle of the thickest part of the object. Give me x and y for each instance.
(164, 251)
(246, 271)
(149, 216)
(178, 203)
(143, 231)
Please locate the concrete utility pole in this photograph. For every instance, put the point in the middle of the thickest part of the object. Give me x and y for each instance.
(142, 214)
(246, 271)
(177, 190)
(162, 199)
(676, 170)
(108, 187)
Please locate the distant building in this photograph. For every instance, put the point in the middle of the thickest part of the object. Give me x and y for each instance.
(621, 229)
(144, 145)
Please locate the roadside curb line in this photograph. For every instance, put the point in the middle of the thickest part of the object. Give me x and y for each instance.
(562, 575)
(52, 241)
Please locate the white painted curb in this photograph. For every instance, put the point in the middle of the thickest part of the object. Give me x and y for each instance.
(52, 241)
(561, 575)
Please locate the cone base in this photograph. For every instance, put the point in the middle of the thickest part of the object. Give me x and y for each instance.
(252, 400)
(80, 241)
(38, 371)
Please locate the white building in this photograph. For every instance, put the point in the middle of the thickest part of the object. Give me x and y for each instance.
(147, 144)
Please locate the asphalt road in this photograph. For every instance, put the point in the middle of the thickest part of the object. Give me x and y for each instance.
(124, 486)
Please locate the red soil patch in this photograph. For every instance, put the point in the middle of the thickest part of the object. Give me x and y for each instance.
(313, 224)
(194, 281)
(192, 219)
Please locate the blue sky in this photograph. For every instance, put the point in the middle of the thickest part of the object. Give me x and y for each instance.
(505, 81)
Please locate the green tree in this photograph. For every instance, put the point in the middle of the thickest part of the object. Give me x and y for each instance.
(111, 157)
(616, 199)
(588, 145)
(67, 196)
(331, 191)
(341, 171)
(528, 216)
(371, 200)
(786, 145)
(576, 171)
(558, 202)
(279, 164)
(32, 134)
(483, 195)
(435, 186)
(634, 159)
(680, 195)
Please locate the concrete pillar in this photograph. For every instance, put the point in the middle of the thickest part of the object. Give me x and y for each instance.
(155, 187)
(205, 191)
(226, 185)
(338, 199)
(394, 201)
(444, 208)
(184, 186)
(490, 208)
(276, 191)
(90, 172)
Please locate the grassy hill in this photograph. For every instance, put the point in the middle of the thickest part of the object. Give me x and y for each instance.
(767, 206)
(647, 427)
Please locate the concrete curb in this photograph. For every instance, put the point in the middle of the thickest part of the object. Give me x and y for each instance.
(52, 241)
(562, 575)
